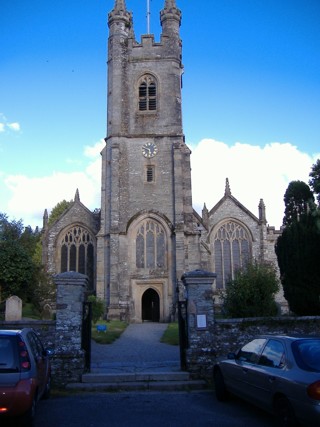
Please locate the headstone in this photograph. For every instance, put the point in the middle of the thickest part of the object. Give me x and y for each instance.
(46, 313)
(13, 309)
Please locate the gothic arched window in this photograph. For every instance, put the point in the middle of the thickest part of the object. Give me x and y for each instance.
(232, 249)
(77, 252)
(150, 245)
(147, 93)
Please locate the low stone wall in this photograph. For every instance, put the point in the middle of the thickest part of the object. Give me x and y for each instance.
(227, 335)
(209, 338)
(64, 335)
(67, 366)
(46, 329)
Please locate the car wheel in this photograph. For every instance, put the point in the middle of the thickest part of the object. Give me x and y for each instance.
(28, 418)
(219, 385)
(285, 413)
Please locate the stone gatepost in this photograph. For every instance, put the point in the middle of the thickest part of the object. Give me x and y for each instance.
(69, 360)
(200, 321)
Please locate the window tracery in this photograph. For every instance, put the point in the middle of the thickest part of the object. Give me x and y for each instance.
(150, 245)
(77, 252)
(232, 248)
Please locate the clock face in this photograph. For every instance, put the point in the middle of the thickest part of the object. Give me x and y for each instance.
(149, 150)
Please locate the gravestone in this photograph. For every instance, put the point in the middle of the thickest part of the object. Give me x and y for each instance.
(13, 309)
(46, 313)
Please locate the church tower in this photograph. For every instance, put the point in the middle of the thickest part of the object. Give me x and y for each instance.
(146, 235)
(147, 238)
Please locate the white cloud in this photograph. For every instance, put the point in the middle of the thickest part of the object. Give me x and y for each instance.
(14, 126)
(30, 195)
(254, 172)
(93, 151)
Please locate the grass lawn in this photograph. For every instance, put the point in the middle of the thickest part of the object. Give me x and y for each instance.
(30, 312)
(116, 327)
(171, 334)
(114, 330)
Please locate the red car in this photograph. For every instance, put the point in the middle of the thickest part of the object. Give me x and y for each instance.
(25, 374)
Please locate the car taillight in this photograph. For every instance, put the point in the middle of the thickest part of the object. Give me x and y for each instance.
(3, 410)
(313, 390)
(23, 356)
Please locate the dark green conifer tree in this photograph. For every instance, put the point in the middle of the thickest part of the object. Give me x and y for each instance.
(298, 250)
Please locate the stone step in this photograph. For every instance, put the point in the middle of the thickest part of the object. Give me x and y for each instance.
(188, 385)
(138, 381)
(101, 377)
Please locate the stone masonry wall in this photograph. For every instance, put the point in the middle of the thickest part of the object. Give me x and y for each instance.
(64, 335)
(228, 335)
(210, 339)
(69, 355)
(44, 328)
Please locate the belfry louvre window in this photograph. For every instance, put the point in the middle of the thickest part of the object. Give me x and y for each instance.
(232, 249)
(77, 252)
(147, 94)
(150, 246)
(150, 174)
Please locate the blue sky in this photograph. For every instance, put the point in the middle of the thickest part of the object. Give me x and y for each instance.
(251, 98)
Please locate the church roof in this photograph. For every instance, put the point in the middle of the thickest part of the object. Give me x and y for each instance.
(228, 195)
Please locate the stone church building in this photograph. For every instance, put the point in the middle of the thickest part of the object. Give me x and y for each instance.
(147, 234)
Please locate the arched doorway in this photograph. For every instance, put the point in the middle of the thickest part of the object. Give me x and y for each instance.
(150, 306)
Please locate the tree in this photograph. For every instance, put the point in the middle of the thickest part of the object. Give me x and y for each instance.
(298, 199)
(58, 210)
(298, 247)
(314, 181)
(297, 251)
(252, 292)
(9, 230)
(97, 308)
(21, 272)
(17, 269)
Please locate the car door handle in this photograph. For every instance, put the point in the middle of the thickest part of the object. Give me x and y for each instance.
(245, 370)
(272, 378)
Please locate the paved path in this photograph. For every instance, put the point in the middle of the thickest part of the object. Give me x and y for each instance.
(138, 349)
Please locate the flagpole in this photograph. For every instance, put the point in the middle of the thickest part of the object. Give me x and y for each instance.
(148, 16)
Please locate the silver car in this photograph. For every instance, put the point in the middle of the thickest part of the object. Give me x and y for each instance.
(280, 374)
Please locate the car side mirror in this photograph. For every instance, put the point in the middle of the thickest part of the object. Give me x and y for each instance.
(48, 352)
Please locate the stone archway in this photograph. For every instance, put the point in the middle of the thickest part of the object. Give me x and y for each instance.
(150, 305)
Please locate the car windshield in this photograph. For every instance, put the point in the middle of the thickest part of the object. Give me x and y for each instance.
(8, 354)
(307, 354)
